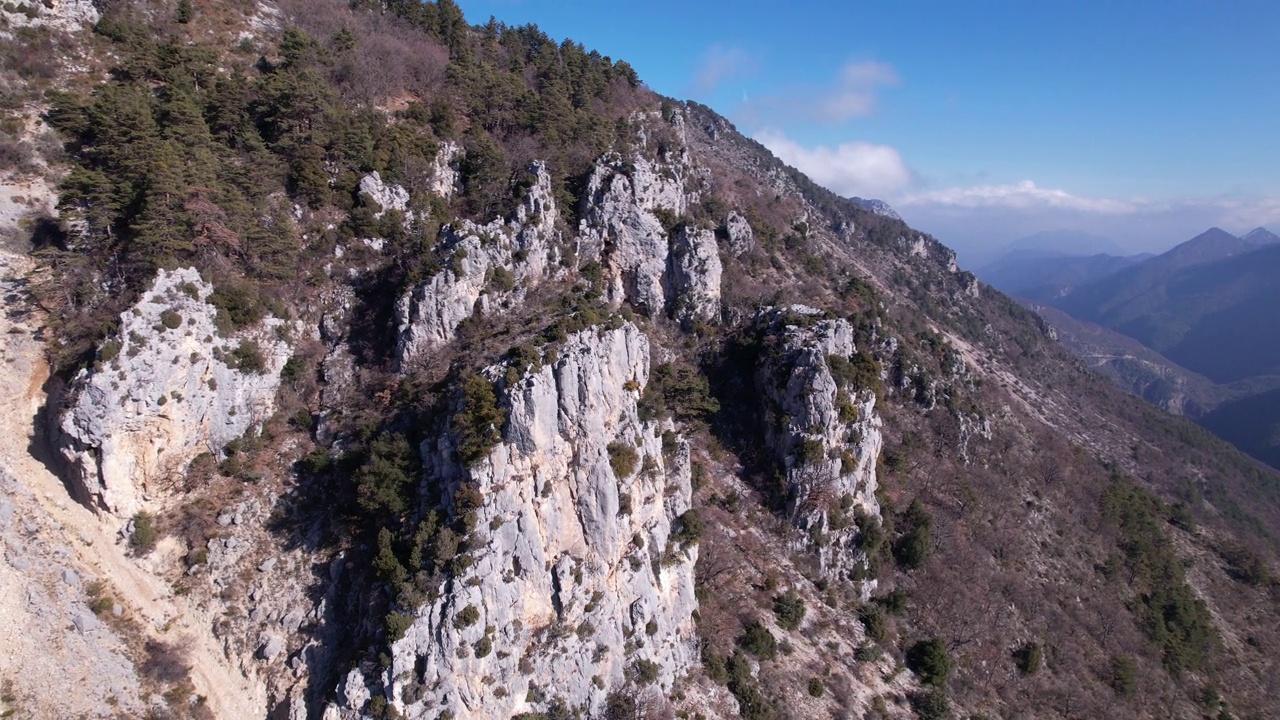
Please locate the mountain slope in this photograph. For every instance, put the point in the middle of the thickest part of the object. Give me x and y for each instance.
(566, 399)
(1212, 317)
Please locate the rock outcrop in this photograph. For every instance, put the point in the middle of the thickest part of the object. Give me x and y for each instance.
(387, 196)
(742, 238)
(656, 267)
(487, 268)
(584, 579)
(826, 433)
(165, 388)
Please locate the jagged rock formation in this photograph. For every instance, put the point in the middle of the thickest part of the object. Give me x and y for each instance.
(656, 269)
(167, 387)
(824, 429)
(387, 196)
(489, 267)
(583, 578)
(739, 233)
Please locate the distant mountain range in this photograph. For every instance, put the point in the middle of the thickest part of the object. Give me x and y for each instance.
(1194, 330)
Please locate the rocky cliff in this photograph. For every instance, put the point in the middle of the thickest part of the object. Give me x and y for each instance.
(823, 428)
(166, 387)
(582, 579)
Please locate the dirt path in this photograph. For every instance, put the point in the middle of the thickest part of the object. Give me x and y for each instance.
(93, 539)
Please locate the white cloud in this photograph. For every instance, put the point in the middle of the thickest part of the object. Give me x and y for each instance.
(718, 64)
(855, 93)
(1023, 195)
(853, 168)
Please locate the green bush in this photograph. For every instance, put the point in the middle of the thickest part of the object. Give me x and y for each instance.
(238, 306)
(248, 357)
(816, 688)
(144, 535)
(398, 624)
(789, 608)
(915, 542)
(1171, 613)
(1028, 658)
(1123, 675)
(466, 617)
(171, 319)
(757, 640)
(646, 672)
(873, 619)
(689, 527)
(623, 459)
(680, 392)
(930, 660)
(477, 426)
(931, 704)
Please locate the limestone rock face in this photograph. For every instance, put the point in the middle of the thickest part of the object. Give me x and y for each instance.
(622, 228)
(581, 576)
(831, 436)
(62, 15)
(694, 275)
(444, 173)
(387, 196)
(166, 388)
(741, 238)
(488, 267)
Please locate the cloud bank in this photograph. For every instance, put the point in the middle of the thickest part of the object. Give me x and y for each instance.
(853, 168)
(979, 220)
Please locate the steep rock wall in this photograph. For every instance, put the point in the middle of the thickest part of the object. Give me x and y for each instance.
(582, 580)
(488, 267)
(826, 432)
(166, 387)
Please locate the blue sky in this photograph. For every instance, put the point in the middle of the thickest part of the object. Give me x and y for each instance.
(980, 121)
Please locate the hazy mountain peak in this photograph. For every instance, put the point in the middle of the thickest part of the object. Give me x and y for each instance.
(1260, 236)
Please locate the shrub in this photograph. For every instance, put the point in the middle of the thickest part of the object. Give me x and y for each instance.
(816, 688)
(757, 640)
(873, 620)
(1028, 658)
(677, 391)
(398, 624)
(916, 541)
(931, 704)
(623, 459)
(1124, 675)
(646, 672)
(247, 357)
(238, 306)
(789, 608)
(171, 319)
(466, 617)
(144, 535)
(930, 660)
(690, 527)
(752, 704)
(477, 426)
(293, 370)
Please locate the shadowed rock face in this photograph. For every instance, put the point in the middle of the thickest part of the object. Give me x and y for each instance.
(165, 388)
(831, 437)
(581, 574)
